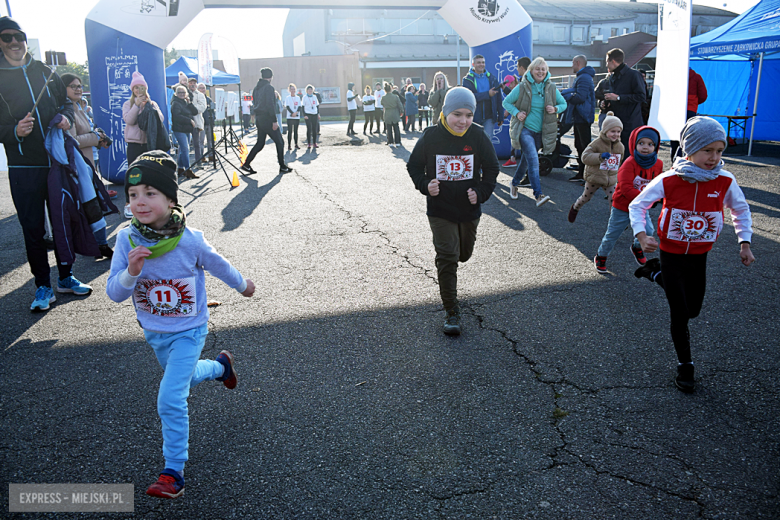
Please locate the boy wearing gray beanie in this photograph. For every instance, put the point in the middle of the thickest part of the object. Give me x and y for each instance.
(694, 192)
(455, 166)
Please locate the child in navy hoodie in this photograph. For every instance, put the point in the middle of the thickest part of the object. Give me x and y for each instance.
(694, 193)
(641, 167)
(160, 262)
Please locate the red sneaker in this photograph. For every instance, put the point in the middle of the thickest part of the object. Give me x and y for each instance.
(639, 255)
(510, 162)
(169, 485)
(601, 263)
(229, 377)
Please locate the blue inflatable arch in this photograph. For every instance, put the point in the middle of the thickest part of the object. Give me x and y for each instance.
(128, 35)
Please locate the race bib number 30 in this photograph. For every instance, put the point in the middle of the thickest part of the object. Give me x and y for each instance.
(167, 298)
(454, 167)
(613, 163)
(694, 226)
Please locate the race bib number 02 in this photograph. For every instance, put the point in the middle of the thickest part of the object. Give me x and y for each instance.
(454, 167)
(613, 163)
(694, 226)
(166, 298)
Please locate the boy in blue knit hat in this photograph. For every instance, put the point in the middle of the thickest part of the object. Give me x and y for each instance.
(160, 262)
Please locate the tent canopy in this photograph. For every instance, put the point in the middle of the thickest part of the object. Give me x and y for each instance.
(727, 58)
(189, 66)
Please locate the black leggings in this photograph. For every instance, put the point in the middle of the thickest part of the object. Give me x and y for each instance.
(370, 118)
(292, 127)
(134, 150)
(311, 129)
(351, 125)
(393, 129)
(684, 279)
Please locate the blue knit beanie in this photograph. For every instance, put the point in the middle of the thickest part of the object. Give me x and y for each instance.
(648, 133)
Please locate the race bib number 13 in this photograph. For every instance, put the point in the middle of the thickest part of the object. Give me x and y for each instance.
(167, 298)
(454, 167)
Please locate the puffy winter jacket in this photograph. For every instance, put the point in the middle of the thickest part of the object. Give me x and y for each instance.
(632, 178)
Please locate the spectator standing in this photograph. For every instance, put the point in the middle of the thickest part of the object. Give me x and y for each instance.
(351, 108)
(199, 102)
(182, 122)
(410, 108)
(436, 99)
(379, 93)
(487, 91)
(370, 111)
(208, 124)
(534, 104)
(422, 102)
(264, 97)
(319, 116)
(293, 109)
(246, 111)
(310, 115)
(23, 133)
(581, 100)
(393, 109)
(628, 94)
(697, 94)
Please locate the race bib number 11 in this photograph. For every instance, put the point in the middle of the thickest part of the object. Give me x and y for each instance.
(167, 298)
(454, 167)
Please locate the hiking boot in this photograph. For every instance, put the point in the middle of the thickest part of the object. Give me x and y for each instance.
(513, 192)
(601, 263)
(542, 200)
(684, 380)
(452, 322)
(639, 255)
(169, 485)
(189, 174)
(229, 377)
(71, 285)
(572, 214)
(650, 270)
(525, 183)
(44, 296)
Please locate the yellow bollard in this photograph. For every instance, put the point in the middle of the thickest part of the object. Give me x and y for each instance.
(234, 182)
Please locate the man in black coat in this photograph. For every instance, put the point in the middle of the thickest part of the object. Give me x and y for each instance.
(22, 132)
(628, 94)
(264, 99)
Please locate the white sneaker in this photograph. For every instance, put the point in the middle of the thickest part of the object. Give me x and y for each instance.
(542, 199)
(513, 192)
(128, 212)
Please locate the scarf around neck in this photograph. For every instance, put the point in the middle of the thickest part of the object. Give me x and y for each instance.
(688, 171)
(645, 161)
(450, 130)
(159, 241)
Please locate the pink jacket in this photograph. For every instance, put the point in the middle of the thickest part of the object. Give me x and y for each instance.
(130, 112)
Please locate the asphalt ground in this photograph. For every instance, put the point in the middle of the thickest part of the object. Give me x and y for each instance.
(556, 402)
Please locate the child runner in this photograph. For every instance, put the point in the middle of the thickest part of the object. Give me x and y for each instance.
(310, 114)
(455, 165)
(694, 193)
(368, 112)
(641, 167)
(602, 159)
(160, 261)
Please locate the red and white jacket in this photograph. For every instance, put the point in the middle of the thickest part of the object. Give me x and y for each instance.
(632, 178)
(692, 214)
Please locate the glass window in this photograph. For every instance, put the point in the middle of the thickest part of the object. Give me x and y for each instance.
(425, 26)
(614, 31)
(559, 34)
(338, 25)
(536, 33)
(654, 29)
(625, 30)
(355, 25)
(372, 25)
(595, 31)
(391, 24)
(408, 26)
(578, 34)
(443, 28)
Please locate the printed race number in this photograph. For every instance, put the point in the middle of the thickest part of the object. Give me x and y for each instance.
(168, 298)
(613, 163)
(454, 167)
(693, 226)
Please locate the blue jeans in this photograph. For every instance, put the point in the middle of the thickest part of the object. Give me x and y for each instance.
(488, 125)
(522, 167)
(530, 143)
(618, 221)
(178, 355)
(184, 149)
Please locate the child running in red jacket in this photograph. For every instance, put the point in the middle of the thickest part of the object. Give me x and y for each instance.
(694, 192)
(636, 172)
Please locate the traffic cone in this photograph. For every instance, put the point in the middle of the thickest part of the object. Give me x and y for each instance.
(234, 182)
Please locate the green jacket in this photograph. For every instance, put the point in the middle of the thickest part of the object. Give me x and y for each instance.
(523, 104)
(436, 101)
(393, 109)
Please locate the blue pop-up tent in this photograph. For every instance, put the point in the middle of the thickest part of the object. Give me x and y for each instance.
(189, 66)
(735, 60)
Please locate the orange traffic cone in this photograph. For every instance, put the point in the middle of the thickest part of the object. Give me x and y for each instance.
(234, 182)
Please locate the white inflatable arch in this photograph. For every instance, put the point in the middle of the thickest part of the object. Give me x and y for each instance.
(128, 35)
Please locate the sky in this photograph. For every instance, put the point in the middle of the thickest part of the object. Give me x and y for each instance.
(256, 33)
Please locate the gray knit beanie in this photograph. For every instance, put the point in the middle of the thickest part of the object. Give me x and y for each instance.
(700, 131)
(458, 97)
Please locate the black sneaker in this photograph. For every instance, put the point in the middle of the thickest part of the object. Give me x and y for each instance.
(247, 170)
(684, 380)
(452, 323)
(525, 183)
(601, 263)
(639, 255)
(577, 178)
(285, 169)
(649, 270)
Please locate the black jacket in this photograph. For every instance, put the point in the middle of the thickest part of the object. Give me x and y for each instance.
(471, 162)
(19, 86)
(630, 86)
(181, 115)
(264, 99)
